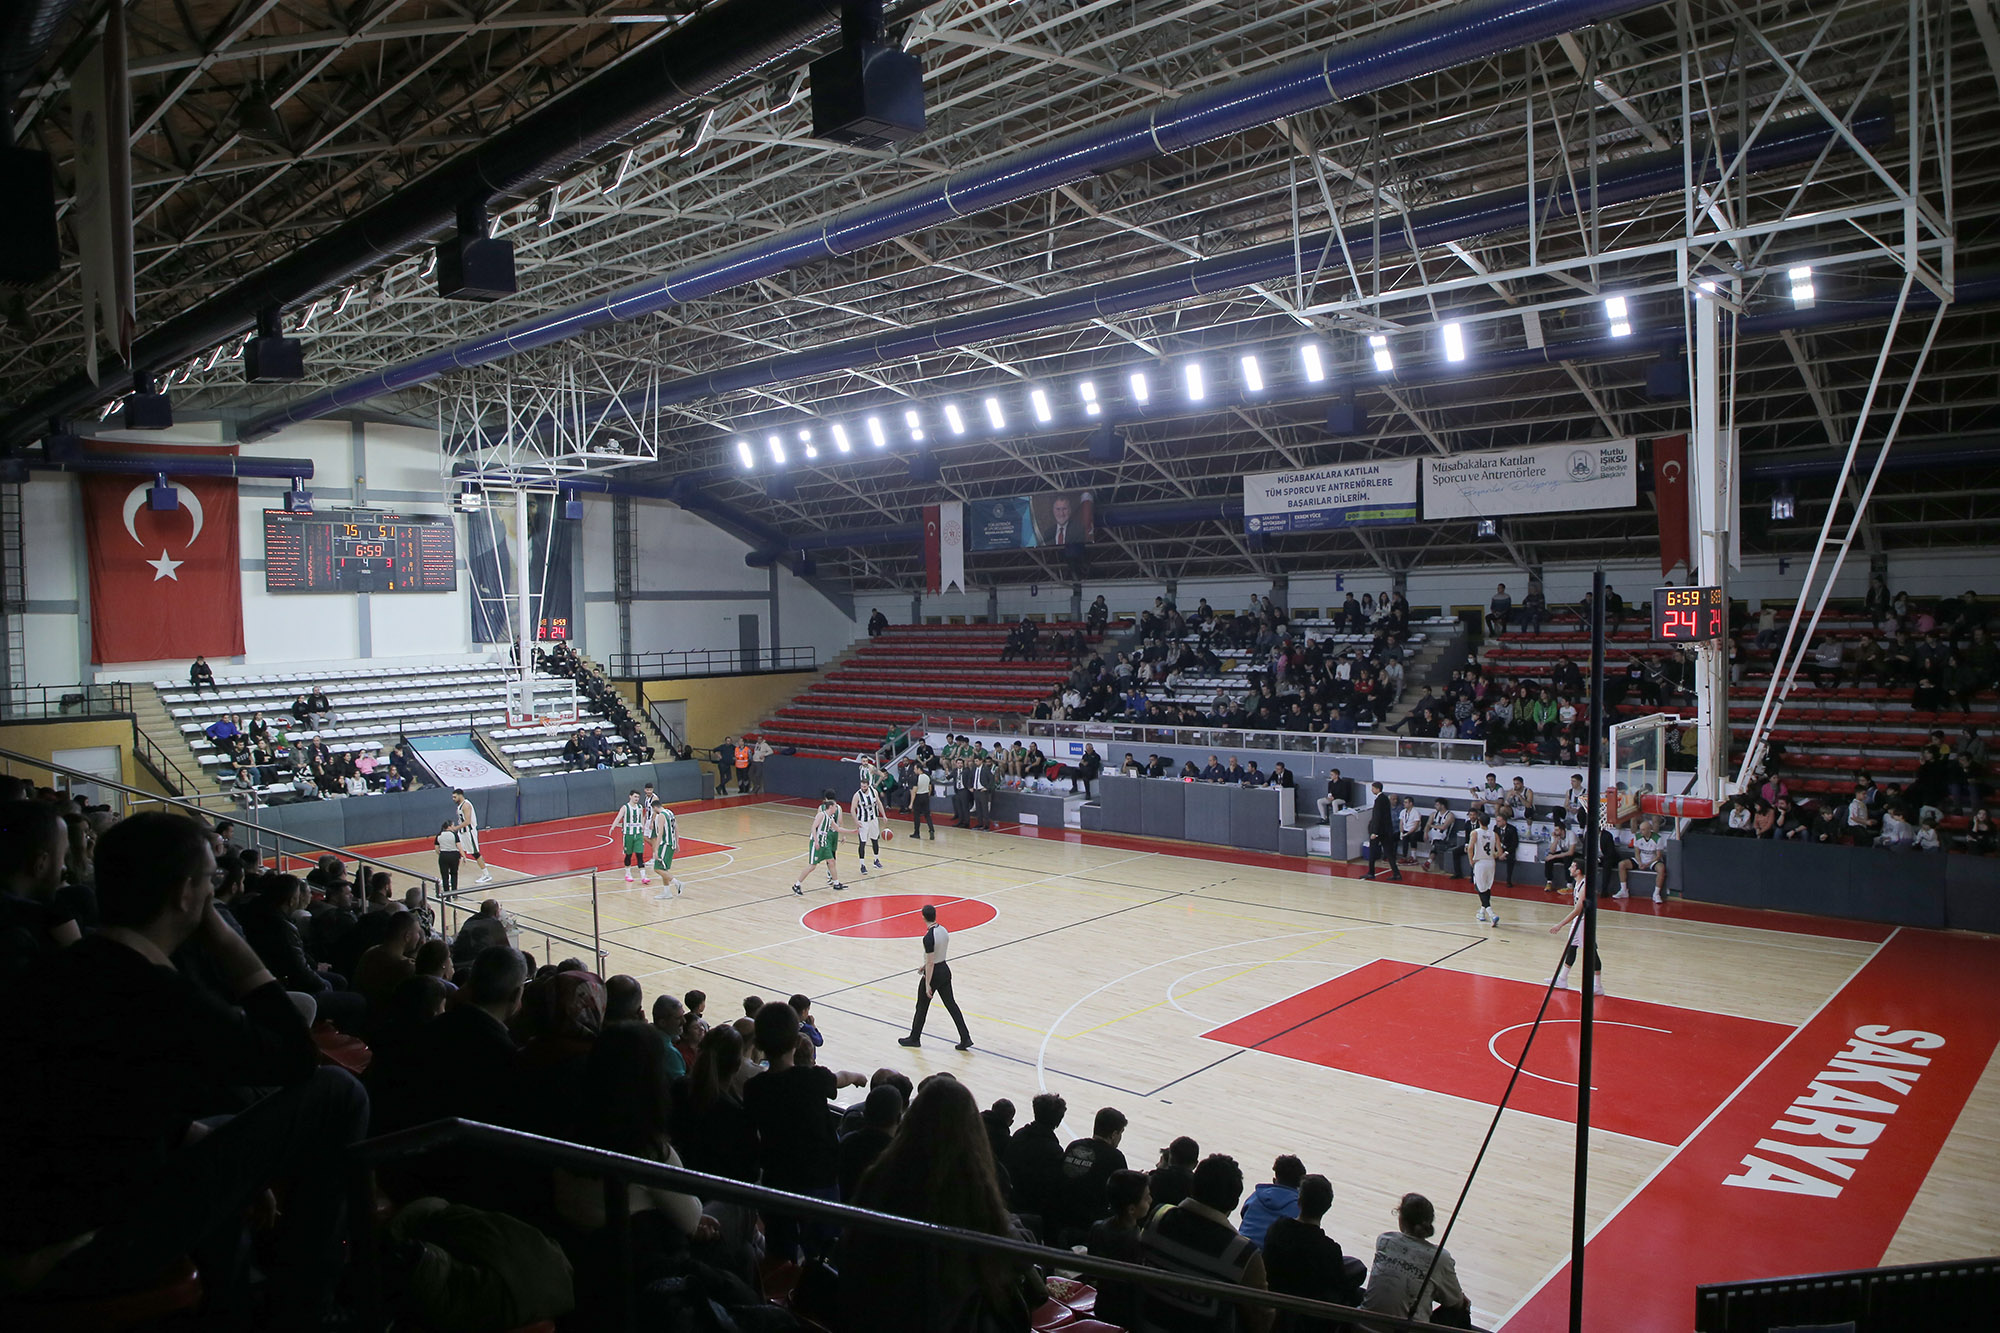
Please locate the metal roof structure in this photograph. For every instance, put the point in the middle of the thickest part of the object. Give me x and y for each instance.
(260, 125)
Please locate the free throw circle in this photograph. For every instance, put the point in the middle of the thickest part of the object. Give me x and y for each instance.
(895, 916)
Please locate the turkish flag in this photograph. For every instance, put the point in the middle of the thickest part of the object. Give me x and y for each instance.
(1670, 497)
(163, 584)
(933, 549)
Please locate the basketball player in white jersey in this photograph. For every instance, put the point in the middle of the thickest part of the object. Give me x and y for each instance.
(1578, 888)
(1483, 847)
(866, 808)
(467, 828)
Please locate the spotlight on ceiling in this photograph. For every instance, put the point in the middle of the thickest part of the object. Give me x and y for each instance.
(1253, 373)
(777, 448)
(1142, 389)
(840, 439)
(1454, 342)
(1489, 527)
(916, 425)
(1621, 321)
(1039, 400)
(954, 418)
(745, 454)
(806, 439)
(1784, 505)
(995, 415)
(1197, 389)
(1378, 344)
(1088, 392)
(1802, 286)
(875, 433)
(1315, 364)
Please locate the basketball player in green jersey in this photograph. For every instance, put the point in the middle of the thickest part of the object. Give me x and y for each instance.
(630, 821)
(666, 841)
(823, 842)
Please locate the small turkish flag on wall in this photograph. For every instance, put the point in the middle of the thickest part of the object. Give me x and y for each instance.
(164, 584)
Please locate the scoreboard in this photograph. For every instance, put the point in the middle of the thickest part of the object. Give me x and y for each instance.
(1689, 615)
(359, 550)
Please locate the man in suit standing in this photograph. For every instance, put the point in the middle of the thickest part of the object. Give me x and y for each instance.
(961, 794)
(1382, 832)
(980, 773)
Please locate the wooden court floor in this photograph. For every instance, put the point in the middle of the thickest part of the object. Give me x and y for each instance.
(1774, 1093)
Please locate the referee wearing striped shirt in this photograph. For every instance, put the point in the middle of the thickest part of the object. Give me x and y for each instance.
(936, 981)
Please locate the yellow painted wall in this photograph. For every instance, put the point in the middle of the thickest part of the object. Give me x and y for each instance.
(722, 706)
(40, 740)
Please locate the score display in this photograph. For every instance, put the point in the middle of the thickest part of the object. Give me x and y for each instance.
(359, 550)
(1689, 615)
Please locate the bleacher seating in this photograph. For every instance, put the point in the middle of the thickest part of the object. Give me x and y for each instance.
(909, 670)
(1827, 735)
(371, 708)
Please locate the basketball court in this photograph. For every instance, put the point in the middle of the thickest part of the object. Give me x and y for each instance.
(1772, 1093)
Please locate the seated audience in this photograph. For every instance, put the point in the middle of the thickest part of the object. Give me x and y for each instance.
(1302, 1260)
(1403, 1257)
(1086, 1165)
(34, 845)
(1117, 1237)
(1195, 1237)
(118, 1065)
(1035, 1159)
(880, 1114)
(1280, 1198)
(938, 1169)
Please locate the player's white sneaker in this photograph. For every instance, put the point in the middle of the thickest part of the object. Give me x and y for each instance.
(1492, 918)
(1481, 918)
(662, 895)
(1597, 986)
(677, 887)
(1562, 977)
(1659, 897)
(1621, 893)
(486, 878)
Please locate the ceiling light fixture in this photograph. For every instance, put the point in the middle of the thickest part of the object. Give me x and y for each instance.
(995, 415)
(1621, 322)
(916, 425)
(1454, 342)
(1315, 365)
(744, 452)
(1088, 392)
(875, 433)
(840, 439)
(1196, 388)
(1039, 400)
(1384, 360)
(1142, 392)
(954, 419)
(777, 447)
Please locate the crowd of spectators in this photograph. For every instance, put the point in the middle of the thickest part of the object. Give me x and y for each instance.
(1177, 676)
(192, 1030)
(626, 743)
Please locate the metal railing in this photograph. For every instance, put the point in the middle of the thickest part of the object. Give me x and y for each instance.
(1381, 745)
(98, 699)
(617, 1171)
(177, 782)
(137, 800)
(467, 898)
(711, 662)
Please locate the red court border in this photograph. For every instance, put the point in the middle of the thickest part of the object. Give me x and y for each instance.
(1843, 1201)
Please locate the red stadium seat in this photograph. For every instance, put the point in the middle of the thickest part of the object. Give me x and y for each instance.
(176, 1295)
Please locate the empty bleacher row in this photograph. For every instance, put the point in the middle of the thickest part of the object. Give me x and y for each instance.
(369, 710)
(893, 679)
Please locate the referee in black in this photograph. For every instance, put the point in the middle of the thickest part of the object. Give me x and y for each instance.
(936, 981)
(920, 804)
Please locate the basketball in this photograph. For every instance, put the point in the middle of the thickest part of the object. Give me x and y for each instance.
(888, 835)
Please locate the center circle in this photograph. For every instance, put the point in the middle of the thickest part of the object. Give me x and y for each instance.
(895, 916)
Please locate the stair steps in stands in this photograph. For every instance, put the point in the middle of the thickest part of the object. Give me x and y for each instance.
(150, 714)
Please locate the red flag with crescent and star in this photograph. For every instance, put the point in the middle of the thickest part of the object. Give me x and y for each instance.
(1670, 497)
(164, 584)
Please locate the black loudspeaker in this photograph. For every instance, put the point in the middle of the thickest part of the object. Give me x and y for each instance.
(148, 411)
(1106, 445)
(273, 360)
(1346, 417)
(1667, 379)
(867, 95)
(30, 250)
(475, 268)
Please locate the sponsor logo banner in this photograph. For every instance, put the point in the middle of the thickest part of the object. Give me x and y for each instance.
(1545, 479)
(1340, 495)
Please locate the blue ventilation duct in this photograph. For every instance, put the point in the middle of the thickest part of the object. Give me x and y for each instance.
(1442, 38)
(1782, 145)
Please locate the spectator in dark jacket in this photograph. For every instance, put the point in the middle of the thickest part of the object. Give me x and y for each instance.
(1300, 1259)
(1035, 1158)
(1173, 1178)
(858, 1151)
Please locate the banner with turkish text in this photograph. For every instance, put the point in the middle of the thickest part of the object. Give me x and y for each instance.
(165, 584)
(951, 545)
(1670, 496)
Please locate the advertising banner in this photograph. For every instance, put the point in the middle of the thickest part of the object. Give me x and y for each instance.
(1543, 479)
(1339, 495)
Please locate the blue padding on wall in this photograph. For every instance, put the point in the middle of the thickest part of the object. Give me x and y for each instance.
(1972, 893)
(496, 806)
(1119, 796)
(421, 812)
(319, 820)
(590, 793)
(1859, 883)
(1163, 806)
(794, 775)
(544, 798)
(366, 819)
(678, 781)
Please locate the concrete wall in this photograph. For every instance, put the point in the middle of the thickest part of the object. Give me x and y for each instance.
(40, 740)
(723, 706)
